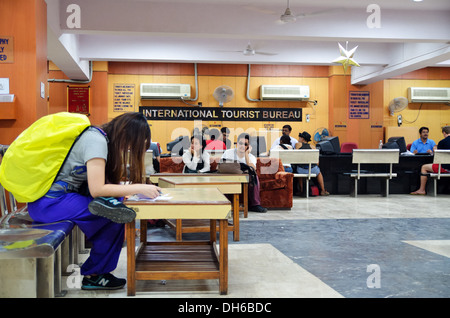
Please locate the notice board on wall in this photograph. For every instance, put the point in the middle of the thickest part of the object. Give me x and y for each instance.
(6, 49)
(78, 99)
(123, 97)
(359, 105)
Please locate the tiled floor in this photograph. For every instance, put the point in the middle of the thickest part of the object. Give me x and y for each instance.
(336, 246)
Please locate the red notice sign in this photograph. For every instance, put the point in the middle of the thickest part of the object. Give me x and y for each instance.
(78, 99)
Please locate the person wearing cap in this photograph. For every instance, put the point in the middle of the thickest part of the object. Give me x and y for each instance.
(303, 143)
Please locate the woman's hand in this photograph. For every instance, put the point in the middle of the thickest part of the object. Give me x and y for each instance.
(151, 191)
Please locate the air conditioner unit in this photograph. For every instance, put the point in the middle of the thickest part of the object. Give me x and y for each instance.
(429, 94)
(284, 92)
(165, 91)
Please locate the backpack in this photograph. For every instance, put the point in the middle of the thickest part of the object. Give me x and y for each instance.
(34, 159)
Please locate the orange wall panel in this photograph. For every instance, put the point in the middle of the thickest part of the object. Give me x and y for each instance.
(26, 21)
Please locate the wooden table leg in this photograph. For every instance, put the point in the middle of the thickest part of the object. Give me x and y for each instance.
(179, 230)
(143, 231)
(212, 231)
(223, 257)
(245, 199)
(130, 230)
(236, 217)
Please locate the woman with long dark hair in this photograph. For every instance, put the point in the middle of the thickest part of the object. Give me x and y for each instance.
(97, 168)
(196, 159)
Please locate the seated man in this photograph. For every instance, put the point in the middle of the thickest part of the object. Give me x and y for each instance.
(432, 167)
(287, 129)
(242, 154)
(423, 144)
(225, 133)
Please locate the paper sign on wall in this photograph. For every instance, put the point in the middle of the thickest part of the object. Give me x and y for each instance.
(6, 49)
(123, 100)
(358, 105)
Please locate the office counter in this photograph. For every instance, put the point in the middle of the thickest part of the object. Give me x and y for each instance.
(335, 170)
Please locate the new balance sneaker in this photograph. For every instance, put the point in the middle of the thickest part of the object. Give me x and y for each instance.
(105, 281)
(112, 209)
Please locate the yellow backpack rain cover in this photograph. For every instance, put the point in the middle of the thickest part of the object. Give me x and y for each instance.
(34, 158)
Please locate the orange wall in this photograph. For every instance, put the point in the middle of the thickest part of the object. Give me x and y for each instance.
(25, 20)
(98, 92)
(367, 133)
(210, 76)
(328, 85)
(431, 115)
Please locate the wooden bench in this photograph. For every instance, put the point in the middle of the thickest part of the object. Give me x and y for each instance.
(373, 156)
(297, 156)
(440, 157)
(33, 256)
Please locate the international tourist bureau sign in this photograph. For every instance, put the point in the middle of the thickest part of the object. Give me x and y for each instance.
(221, 114)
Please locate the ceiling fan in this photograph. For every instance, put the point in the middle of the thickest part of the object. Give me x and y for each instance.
(250, 51)
(289, 17)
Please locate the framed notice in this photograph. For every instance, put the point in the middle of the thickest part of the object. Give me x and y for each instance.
(358, 105)
(6, 49)
(78, 99)
(123, 97)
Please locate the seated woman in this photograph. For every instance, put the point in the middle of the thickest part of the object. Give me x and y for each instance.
(304, 138)
(242, 154)
(285, 143)
(195, 159)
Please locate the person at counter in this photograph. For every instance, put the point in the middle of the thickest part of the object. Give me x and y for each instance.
(423, 144)
(215, 142)
(285, 144)
(303, 143)
(432, 167)
(285, 131)
(225, 134)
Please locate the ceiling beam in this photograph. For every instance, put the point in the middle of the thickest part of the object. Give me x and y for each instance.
(410, 58)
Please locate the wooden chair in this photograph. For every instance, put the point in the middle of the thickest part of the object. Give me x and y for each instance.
(298, 156)
(440, 157)
(374, 156)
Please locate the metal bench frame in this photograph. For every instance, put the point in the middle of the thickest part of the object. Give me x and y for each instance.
(441, 157)
(298, 156)
(374, 156)
(36, 269)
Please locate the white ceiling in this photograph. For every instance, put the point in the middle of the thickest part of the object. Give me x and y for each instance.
(412, 35)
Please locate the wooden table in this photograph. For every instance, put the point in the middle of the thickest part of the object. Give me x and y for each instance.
(242, 178)
(226, 186)
(180, 260)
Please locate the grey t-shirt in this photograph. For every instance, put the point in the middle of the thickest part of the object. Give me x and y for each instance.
(92, 144)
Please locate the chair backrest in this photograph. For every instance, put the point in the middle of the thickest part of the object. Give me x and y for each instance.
(375, 156)
(296, 156)
(371, 156)
(348, 146)
(6, 212)
(148, 162)
(441, 156)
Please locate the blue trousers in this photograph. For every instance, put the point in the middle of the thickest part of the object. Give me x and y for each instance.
(106, 236)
